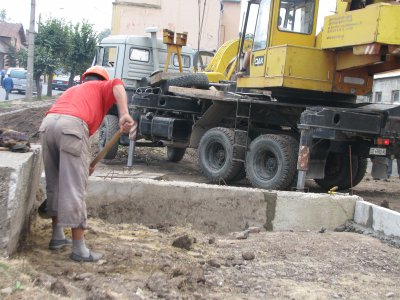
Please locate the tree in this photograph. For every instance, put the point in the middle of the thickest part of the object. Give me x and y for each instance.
(3, 15)
(12, 56)
(52, 45)
(22, 56)
(83, 46)
(103, 34)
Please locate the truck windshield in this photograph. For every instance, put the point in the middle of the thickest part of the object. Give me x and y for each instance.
(296, 16)
(20, 74)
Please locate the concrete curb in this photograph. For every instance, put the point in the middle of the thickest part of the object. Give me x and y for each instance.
(209, 208)
(19, 181)
(307, 211)
(377, 218)
(213, 208)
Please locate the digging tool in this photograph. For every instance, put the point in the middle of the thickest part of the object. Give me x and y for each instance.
(132, 140)
(107, 147)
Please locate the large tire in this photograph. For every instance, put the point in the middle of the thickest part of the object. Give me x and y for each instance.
(337, 171)
(175, 154)
(198, 81)
(216, 153)
(108, 128)
(361, 170)
(271, 161)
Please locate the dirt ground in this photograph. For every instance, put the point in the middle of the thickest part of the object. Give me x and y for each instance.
(141, 262)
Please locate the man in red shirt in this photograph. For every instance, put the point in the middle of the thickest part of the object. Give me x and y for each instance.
(65, 132)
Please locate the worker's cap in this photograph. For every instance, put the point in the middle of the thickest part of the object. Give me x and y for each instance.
(96, 70)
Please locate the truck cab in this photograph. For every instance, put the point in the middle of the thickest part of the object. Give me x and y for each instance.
(132, 58)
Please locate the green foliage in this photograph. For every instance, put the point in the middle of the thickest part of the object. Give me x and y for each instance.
(53, 37)
(3, 15)
(52, 46)
(82, 50)
(18, 285)
(22, 56)
(103, 34)
(3, 266)
(12, 56)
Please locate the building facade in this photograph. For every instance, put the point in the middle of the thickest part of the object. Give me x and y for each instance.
(12, 38)
(386, 88)
(209, 23)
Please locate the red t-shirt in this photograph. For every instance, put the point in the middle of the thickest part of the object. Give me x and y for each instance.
(89, 101)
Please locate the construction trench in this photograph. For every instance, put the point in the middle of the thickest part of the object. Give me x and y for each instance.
(215, 216)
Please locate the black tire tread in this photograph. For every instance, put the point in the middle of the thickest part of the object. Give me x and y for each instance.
(175, 154)
(234, 166)
(112, 126)
(342, 181)
(289, 148)
(199, 81)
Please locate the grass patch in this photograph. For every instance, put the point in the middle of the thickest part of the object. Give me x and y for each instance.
(5, 104)
(3, 266)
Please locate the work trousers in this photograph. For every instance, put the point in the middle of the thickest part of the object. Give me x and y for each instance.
(7, 94)
(65, 144)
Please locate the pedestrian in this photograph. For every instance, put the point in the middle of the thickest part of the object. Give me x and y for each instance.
(8, 85)
(2, 74)
(65, 132)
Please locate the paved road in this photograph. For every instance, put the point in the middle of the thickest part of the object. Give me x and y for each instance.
(15, 96)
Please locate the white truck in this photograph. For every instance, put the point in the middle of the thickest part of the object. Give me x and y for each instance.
(133, 58)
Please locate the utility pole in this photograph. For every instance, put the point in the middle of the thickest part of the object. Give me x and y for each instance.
(31, 45)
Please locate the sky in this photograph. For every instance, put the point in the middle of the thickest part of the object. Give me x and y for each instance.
(96, 12)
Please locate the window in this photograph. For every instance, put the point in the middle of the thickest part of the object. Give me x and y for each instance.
(139, 55)
(296, 16)
(20, 74)
(395, 96)
(185, 61)
(109, 56)
(261, 34)
(378, 97)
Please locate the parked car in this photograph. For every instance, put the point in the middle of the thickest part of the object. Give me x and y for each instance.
(77, 79)
(18, 75)
(60, 83)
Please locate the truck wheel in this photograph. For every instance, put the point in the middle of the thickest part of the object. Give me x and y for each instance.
(271, 161)
(199, 81)
(215, 153)
(175, 154)
(108, 128)
(337, 171)
(358, 176)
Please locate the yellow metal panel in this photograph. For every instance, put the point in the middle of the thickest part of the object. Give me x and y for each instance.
(258, 62)
(389, 25)
(295, 67)
(351, 28)
(306, 84)
(276, 60)
(215, 76)
(347, 60)
(309, 63)
(260, 82)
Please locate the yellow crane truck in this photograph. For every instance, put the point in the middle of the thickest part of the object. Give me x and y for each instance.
(279, 104)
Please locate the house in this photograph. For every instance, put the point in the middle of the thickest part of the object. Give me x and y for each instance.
(386, 88)
(12, 38)
(209, 23)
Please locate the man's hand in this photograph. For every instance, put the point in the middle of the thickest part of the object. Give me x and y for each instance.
(126, 122)
(91, 170)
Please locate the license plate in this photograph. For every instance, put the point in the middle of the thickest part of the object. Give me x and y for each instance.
(377, 151)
